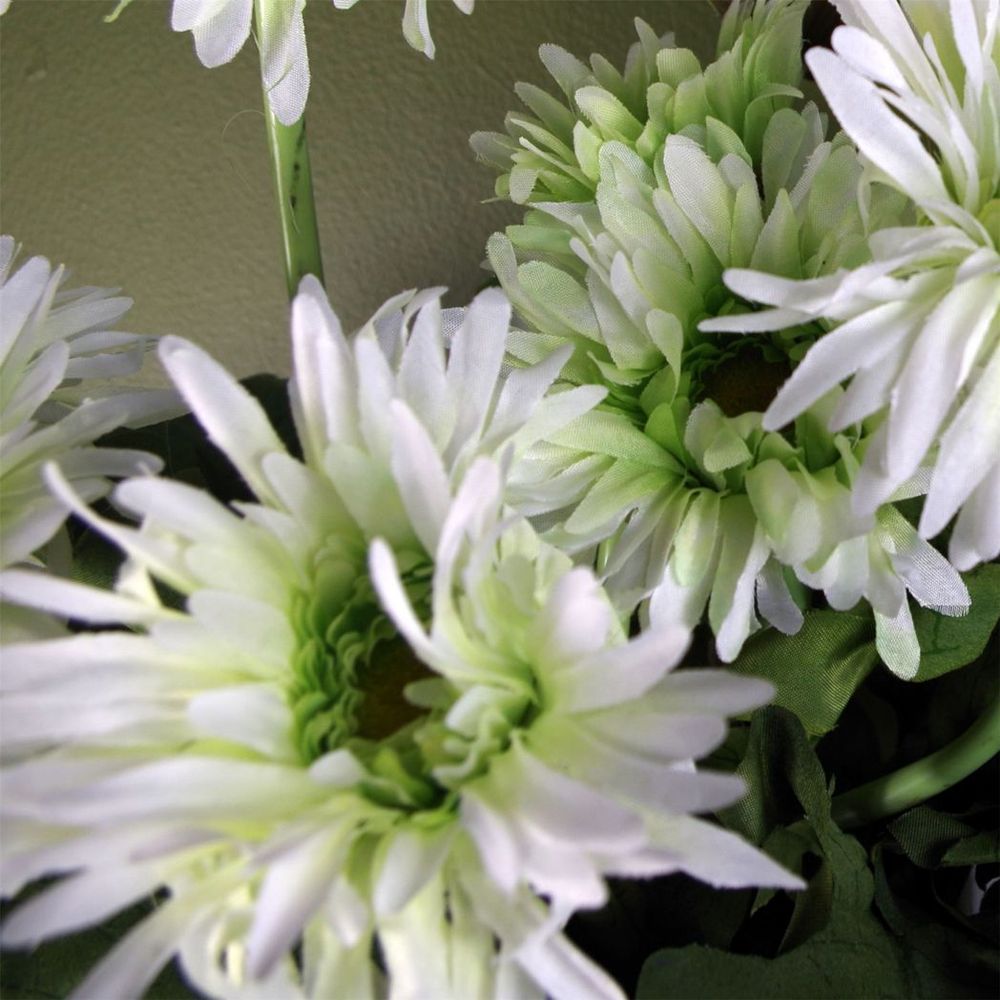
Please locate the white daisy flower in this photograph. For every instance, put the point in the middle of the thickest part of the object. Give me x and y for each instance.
(662, 478)
(917, 331)
(54, 342)
(442, 748)
(416, 26)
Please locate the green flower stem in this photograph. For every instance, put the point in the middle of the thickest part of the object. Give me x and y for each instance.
(293, 185)
(916, 782)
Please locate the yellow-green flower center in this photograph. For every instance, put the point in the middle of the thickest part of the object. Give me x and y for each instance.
(351, 667)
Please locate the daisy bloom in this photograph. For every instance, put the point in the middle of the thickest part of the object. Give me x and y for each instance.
(666, 478)
(434, 747)
(915, 332)
(54, 342)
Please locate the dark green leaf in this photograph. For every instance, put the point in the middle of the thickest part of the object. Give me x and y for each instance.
(925, 834)
(949, 643)
(852, 953)
(817, 670)
(980, 848)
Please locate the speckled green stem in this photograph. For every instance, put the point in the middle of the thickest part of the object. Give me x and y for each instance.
(293, 186)
(917, 782)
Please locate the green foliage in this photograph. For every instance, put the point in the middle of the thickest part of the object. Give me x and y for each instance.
(817, 670)
(835, 943)
(949, 643)
(55, 968)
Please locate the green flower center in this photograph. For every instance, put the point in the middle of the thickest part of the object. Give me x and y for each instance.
(351, 667)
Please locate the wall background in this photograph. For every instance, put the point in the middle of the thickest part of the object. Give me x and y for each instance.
(122, 157)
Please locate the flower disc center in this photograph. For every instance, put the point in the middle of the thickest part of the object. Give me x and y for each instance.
(745, 382)
(351, 667)
(384, 709)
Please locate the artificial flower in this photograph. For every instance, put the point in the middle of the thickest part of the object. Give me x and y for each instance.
(416, 27)
(660, 478)
(54, 343)
(221, 27)
(916, 331)
(441, 747)
(552, 153)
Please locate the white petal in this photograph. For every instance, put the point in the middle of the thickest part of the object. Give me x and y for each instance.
(880, 134)
(968, 451)
(774, 599)
(253, 715)
(635, 667)
(896, 642)
(74, 600)
(411, 860)
(499, 850)
(182, 788)
(565, 809)
(232, 418)
(862, 342)
(574, 622)
(77, 902)
(744, 552)
(976, 535)
(135, 960)
(718, 857)
(564, 971)
(474, 364)
(422, 382)
(285, 59)
(392, 596)
(415, 27)
(293, 889)
(219, 39)
(928, 576)
(929, 381)
(257, 629)
(181, 508)
(420, 475)
(324, 386)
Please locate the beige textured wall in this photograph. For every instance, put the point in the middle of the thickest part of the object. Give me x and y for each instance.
(123, 157)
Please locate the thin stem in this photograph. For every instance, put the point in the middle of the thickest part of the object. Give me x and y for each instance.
(293, 186)
(917, 782)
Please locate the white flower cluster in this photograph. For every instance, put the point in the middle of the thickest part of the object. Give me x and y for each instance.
(681, 479)
(916, 330)
(388, 714)
(55, 343)
(384, 728)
